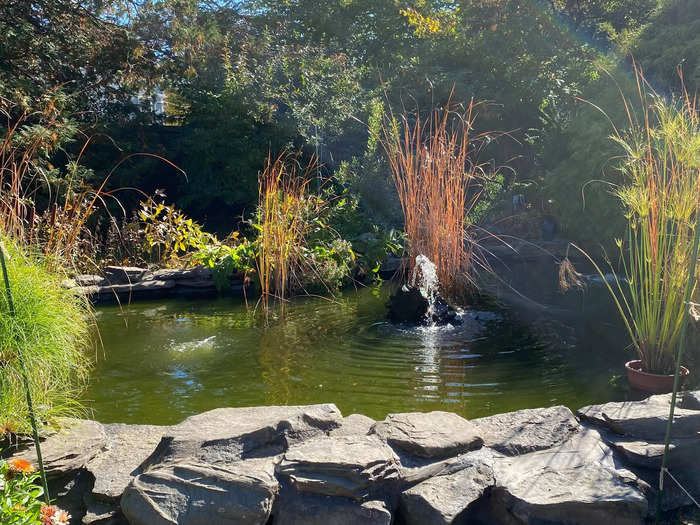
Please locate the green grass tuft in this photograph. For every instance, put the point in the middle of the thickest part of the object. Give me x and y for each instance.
(52, 330)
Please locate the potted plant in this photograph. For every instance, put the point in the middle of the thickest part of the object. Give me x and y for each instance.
(661, 197)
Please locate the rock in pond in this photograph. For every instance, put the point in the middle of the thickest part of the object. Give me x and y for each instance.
(241, 493)
(429, 435)
(408, 306)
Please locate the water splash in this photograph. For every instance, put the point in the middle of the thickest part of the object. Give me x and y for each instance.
(425, 279)
(188, 346)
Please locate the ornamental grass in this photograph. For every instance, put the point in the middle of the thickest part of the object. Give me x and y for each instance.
(438, 181)
(51, 328)
(661, 199)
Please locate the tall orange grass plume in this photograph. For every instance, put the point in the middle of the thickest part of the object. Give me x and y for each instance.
(438, 181)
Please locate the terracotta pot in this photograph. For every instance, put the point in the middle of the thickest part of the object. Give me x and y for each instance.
(652, 383)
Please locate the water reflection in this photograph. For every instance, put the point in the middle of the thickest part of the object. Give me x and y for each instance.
(165, 361)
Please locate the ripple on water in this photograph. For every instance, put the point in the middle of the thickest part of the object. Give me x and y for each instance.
(165, 361)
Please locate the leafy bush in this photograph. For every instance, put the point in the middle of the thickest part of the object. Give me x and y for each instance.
(20, 497)
(226, 259)
(169, 232)
(328, 266)
(51, 330)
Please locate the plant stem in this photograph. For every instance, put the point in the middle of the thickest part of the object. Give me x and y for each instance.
(25, 379)
(681, 346)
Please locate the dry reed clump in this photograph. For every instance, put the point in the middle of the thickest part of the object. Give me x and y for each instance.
(284, 219)
(59, 226)
(438, 182)
(569, 278)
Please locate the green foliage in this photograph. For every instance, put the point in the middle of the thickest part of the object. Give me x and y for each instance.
(246, 78)
(169, 233)
(660, 197)
(330, 265)
(51, 329)
(374, 247)
(20, 494)
(669, 40)
(232, 257)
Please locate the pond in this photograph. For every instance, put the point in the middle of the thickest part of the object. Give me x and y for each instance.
(163, 361)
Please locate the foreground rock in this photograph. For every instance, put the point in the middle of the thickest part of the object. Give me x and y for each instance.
(646, 419)
(126, 448)
(524, 431)
(69, 450)
(578, 481)
(307, 509)
(636, 430)
(348, 466)
(429, 435)
(308, 464)
(239, 494)
(441, 500)
(224, 435)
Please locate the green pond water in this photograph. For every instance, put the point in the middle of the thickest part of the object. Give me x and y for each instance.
(164, 361)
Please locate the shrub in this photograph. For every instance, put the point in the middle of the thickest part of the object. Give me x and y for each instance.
(20, 497)
(51, 329)
(329, 266)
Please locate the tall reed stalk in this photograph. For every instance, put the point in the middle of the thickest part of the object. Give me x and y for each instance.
(661, 199)
(283, 209)
(434, 171)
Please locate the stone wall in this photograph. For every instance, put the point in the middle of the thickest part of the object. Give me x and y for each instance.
(125, 284)
(310, 465)
(120, 284)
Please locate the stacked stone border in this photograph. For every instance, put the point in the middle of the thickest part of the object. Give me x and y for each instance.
(310, 465)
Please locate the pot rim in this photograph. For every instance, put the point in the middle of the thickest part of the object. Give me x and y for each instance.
(629, 365)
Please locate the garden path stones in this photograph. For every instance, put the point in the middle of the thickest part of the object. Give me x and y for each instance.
(347, 466)
(139, 287)
(126, 448)
(440, 500)
(70, 449)
(645, 419)
(224, 435)
(241, 493)
(524, 431)
(199, 273)
(429, 435)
